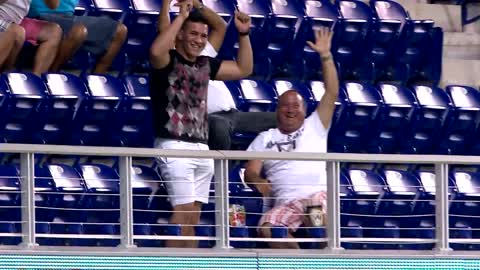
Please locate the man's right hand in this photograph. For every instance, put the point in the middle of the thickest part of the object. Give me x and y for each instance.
(185, 7)
(264, 188)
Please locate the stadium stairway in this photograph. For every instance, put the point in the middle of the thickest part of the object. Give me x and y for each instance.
(461, 43)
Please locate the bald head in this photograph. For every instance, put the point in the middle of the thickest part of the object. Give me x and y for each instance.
(291, 111)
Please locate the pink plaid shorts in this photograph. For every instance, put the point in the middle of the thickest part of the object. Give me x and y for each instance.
(292, 214)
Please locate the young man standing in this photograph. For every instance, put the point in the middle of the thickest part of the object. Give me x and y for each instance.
(178, 88)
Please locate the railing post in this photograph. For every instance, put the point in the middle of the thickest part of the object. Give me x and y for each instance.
(441, 208)
(221, 204)
(333, 206)
(126, 202)
(27, 172)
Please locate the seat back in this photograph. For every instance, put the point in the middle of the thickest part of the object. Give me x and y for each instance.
(27, 97)
(137, 129)
(426, 127)
(100, 116)
(459, 135)
(399, 107)
(66, 94)
(253, 95)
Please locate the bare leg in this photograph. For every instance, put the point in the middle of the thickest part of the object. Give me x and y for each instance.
(7, 41)
(266, 232)
(19, 38)
(117, 42)
(190, 218)
(69, 45)
(49, 38)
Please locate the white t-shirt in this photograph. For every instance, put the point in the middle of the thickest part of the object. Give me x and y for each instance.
(14, 10)
(293, 179)
(219, 97)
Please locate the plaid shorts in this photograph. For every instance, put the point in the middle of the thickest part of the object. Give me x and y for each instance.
(292, 214)
(4, 25)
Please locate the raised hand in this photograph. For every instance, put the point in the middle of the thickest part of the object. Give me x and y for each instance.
(242, 22)
(323, 40)
(185, 7)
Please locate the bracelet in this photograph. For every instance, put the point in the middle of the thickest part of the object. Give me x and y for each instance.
(199, 8)
(326, 58)
(244, 34)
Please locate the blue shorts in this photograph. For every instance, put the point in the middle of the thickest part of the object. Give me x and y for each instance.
(100, 29)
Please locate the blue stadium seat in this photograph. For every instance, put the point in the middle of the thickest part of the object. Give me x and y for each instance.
(467, 197)
(426, 126)
(144, 21)
(253, 95)
(84, 7)
(280, 32)
(70, 200)
(459, 135)
(145, 183)
(318, 13)
(399, 106)
(116, 9)
(45, 197)
(137, 119)
(368, 190)
(404, 190)
(352, 130)
(102, 183)
(26, 98)
(352, 40)
(65, 92)
(97, 117)
(390, 18)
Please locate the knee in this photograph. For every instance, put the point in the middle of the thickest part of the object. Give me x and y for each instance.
(121, 32)
(265, 230)
(78, 33)
(54, 33)
(18, 34)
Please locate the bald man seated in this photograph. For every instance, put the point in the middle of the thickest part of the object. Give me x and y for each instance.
(295, 185)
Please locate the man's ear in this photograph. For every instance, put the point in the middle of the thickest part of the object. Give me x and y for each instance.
(180, 34)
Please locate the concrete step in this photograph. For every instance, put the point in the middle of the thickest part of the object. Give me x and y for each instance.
(448, 17)
(461, 45)
(460, 71)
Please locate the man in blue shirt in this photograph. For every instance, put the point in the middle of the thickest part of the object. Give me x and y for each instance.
(102, 36)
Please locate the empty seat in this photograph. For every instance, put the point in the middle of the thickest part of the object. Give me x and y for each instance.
(83, 7)
(399, 106)
(98, 116)
(280, 32)
(26, 97)
(368, 190)
(352, 40)
(253, 95)
(460, 132)
(145, 183)
(426, 126)
(352, 131)
(136, 129)
(65, 93)
(144, 20)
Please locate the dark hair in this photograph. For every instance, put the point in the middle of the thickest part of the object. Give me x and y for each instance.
(196, 17)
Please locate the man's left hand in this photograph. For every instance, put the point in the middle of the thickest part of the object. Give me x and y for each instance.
(323, 41)
(242, 22)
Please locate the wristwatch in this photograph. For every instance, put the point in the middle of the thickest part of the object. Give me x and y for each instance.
(200, 7)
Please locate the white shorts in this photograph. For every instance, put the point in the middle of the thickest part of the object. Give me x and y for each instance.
(187, 179)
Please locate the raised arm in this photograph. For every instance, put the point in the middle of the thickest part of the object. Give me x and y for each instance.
(235, 70)
(159, 56)
(322, 45)
(164, 17)
(253, 177)
(52, 4)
